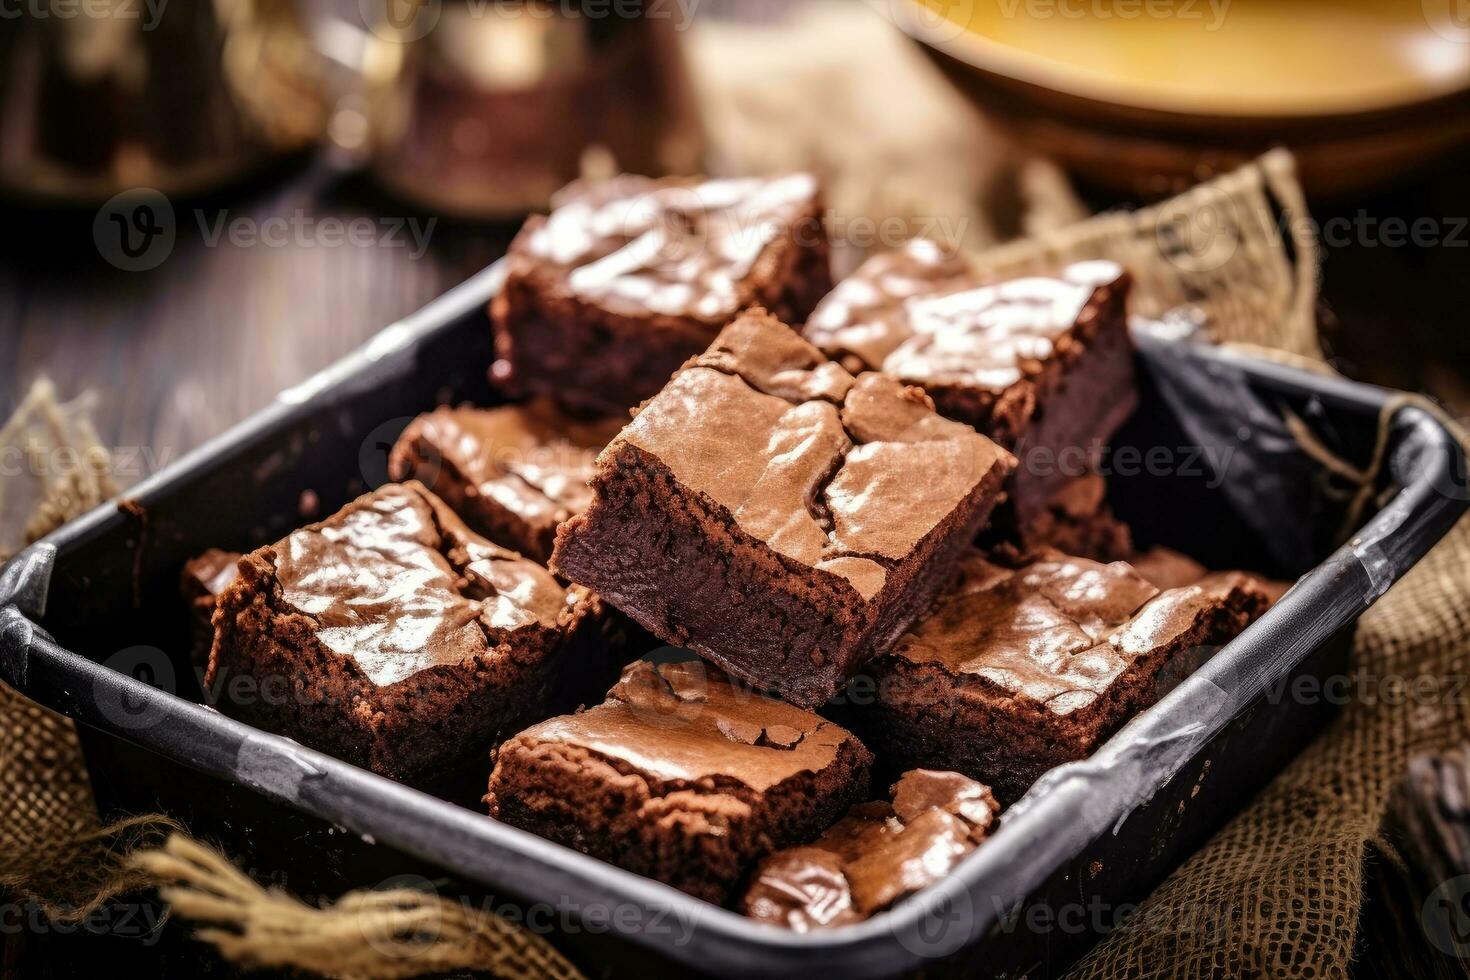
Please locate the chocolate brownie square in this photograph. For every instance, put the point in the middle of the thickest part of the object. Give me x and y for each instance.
(1022, 669)
(392, 636)
(512, 474)
(680, 775)
(779, 516)
(626, 279)
(200, 583)
(1075, 519)
(876, 856)
(1042, 365)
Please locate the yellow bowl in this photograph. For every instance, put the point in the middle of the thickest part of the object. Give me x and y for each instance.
(1148, 96)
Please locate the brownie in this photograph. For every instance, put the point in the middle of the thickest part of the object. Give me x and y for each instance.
(681, 775)
(1075, 519)
(628, 278)
(1042, 365)
(512, 474)
(201, 582)
(877, 855)
(777, 515)
(392, 636)
(1022, 669)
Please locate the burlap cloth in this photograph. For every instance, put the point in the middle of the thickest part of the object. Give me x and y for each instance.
(1276, 893)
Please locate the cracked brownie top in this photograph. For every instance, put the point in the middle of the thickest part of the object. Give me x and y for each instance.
(1060, 630)
(685, 722)
(676, 247)
(922, 315)
(846, 474)
(397, 583)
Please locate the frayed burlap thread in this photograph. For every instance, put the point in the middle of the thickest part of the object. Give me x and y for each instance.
(372, 935)
(1241, 248)
(65, 470)
(54, 852)
(1277, 892)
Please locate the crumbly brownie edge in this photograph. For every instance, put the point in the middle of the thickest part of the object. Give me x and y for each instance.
(438, 720)
(600, 362)
(914, 584)
(702, 839)
(1100, 372)
(1007, 416)
(925, 717)
(267, 668)
(1100, 536)
(644, 524)
(414, 458)
(1242, 605)
(670, 558)
(592, 361)
(795, 271)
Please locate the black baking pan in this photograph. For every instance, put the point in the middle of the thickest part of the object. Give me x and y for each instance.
(92, 626)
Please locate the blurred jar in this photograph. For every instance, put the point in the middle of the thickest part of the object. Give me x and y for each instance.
(104, 95)
(484, 109)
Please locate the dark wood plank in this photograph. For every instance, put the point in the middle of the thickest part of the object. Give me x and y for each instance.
(181, 351)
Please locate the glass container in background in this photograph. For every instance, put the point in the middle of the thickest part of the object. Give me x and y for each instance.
(107, 95)
(484, 109)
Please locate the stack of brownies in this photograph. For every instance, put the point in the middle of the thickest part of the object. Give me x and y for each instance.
(867, 514)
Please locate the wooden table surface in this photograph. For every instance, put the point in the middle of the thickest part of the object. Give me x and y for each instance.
(181, 351)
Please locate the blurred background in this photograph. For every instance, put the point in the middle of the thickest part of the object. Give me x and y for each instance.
(205, 201)
(317, 168)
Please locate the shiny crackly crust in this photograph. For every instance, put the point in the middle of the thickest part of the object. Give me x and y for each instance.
(269, 666)
(923, 712)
